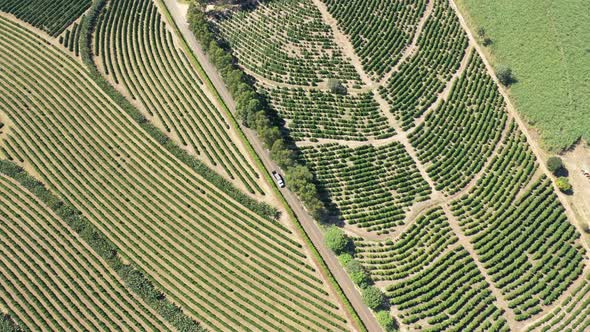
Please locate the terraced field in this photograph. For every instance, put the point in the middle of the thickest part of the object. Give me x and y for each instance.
(225, 265)
(138, 52)
(52, 280)
(452, 214)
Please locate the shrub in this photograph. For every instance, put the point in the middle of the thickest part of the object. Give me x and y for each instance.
(386, 321)
(564, 184)
(554, 164)
(336, 86)
(344, 258)
(504, 74)
(373, 297)
(336, 240)
(358, 274)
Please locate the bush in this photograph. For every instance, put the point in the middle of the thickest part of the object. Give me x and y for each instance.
(358, 274)
(373, 297)
(554, 164)
(344, 258)
(386, 321)
(504, 74)
(336, 86)
(336, 240)
(564, 184)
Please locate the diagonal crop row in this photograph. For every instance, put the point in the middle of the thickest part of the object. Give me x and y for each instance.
(136, 49)
(226, 266)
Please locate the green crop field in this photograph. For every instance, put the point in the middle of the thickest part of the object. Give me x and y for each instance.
(225, 265)
(139, 142)
(547, 45)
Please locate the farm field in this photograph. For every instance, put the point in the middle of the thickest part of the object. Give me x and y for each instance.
(453, 215)
(139, 140)
(546, 45)
(168, 89)
(212, 251)
(52, 280)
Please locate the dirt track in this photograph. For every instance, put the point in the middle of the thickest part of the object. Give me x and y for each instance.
(178, 12)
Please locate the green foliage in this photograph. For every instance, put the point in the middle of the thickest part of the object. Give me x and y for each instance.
(386, 321)
(554, 164)
(51, 16)
(546, 42)
(373, 297)
(358, 274)
(336, 240)
(131, 275)
(87, 29)
(344, 258)
(335, 86)
(251, 113)
(8, 324)
(563, 184)
(504, 74)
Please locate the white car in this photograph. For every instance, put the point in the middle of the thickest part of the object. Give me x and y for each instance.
(279, 179)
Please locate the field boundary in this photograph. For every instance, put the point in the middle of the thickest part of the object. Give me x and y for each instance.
(319, 260)
(104, 248)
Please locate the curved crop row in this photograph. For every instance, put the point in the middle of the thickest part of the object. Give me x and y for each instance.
(52, 280)
(451, 294)
(70, 39)
(571, 315)
(521, 235)
(428, 237)
(226, 266)
(458, 137)
(137, 50)
(349, 117)
(415, 86)
(286, 41)
(378, 39)
(371, 187)
(53, 16)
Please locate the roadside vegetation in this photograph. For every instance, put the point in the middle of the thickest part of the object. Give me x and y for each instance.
(163, 216)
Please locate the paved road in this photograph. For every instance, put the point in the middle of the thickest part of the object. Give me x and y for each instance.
(308, 223)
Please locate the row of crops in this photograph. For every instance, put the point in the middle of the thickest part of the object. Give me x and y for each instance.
(51, 280)
(425, 240)
(51, 16)
(378, 30)
(137, 50)
(520, 231)
(371, 187)
(459, 136)
(313, 114)
(286, 41)
(573, 314)
(70, 39)
(226, 266)
(445, 293)
(421, 78)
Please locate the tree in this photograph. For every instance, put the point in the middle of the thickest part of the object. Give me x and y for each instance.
(336, 86)
(481, 32)
(373, 297)
(485, 40)
(358, 274)
(504, 74)
(554, 164)
(564, 184)
(386, 321)
(336, 240)
(281, 154)
(344, 258)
